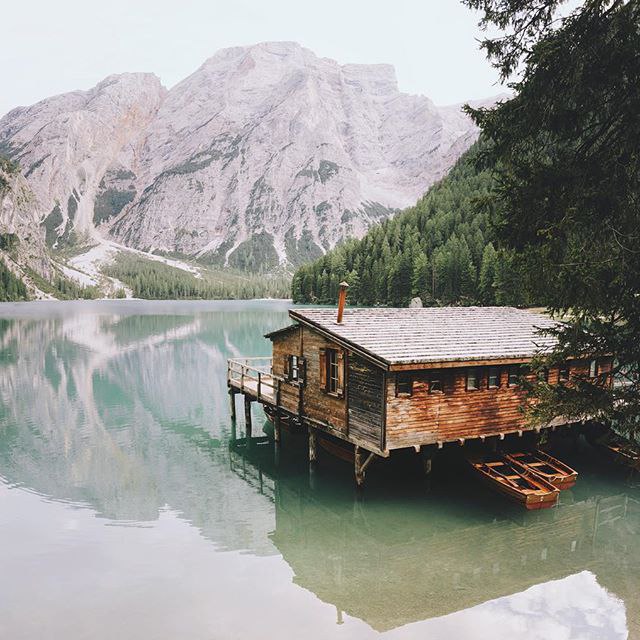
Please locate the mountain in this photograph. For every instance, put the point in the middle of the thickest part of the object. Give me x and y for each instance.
(266, 156)
(439, 250)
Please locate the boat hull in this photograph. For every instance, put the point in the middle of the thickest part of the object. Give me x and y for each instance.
(545, 466)
(520, 486)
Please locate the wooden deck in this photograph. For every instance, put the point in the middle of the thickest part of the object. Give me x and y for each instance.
(253, 377)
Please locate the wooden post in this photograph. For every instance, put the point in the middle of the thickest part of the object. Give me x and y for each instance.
(276, 437)
(428, 454)
(232, 401)
(276, 427)
(313, 454)
(359, 472)
(361, 461)
(247, 415)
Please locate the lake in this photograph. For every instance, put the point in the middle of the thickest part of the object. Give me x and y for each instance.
(127, 511)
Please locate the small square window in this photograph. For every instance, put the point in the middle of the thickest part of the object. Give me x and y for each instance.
(473, 379)
(404, 384)
(435, 384)
(493, 378)
(514, 376)
(563, 373)
(543, 375)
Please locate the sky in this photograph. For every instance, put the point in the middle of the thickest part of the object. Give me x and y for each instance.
(49, 47)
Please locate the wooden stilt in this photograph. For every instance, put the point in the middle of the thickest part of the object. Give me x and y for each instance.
(361, 462)
(276, 427)
(313, 453)
(247, 415)
(232, 402)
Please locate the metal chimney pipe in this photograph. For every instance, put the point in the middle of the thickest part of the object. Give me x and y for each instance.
(342, 300)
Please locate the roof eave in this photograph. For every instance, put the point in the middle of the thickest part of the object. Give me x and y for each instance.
(277, 332)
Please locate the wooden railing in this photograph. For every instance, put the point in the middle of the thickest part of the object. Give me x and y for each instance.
(254, 376)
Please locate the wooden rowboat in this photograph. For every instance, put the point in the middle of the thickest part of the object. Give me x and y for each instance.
(557, 473)
(622, 451)
(516, 482)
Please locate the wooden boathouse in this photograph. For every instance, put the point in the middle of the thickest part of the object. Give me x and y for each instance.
(380, 379)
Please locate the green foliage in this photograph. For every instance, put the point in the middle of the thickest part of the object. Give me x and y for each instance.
(439, 250)
(155, 280)
(51, 224)
(8, 241)
(62, 288)
(11, 288)
(110, 202)
(567, 183)
(255, 255)
(7, 167)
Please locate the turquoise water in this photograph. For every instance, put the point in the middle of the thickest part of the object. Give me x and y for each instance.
(127, 511)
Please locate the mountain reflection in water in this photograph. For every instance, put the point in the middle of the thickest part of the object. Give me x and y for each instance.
(116, 413)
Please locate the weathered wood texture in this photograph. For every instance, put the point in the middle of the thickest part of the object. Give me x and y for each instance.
(427, 418)
(435, 334)
(317, 404)
(366, 401)
(286, 344)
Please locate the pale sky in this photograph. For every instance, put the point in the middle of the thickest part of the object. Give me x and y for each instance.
(52, 47)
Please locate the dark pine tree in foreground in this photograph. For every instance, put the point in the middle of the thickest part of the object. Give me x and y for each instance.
(566, 190)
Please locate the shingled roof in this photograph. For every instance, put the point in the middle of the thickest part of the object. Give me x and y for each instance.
(434, 334)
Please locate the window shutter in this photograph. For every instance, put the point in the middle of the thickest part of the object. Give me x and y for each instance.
(286, 367)
(341, 362)
(323, 368)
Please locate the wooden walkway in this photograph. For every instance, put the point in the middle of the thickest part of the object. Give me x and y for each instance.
(253, 378)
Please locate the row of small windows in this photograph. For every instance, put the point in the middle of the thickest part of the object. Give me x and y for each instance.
(478, 378)
(332, 375)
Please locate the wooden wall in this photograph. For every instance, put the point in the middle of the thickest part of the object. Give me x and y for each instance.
(365, 392)
(284, 345)
(319, 405)
(427, 418)
(316, 404)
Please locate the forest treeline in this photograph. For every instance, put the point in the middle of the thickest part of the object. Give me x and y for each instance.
(441, 250)
(11, 288)
(154, 280)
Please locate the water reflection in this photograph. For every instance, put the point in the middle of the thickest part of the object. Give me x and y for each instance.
(122, 409)
(392, 559)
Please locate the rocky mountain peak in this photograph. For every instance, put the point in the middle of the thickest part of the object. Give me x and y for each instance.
(266, 155)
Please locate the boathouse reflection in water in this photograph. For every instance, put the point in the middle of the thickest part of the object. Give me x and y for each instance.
(393, 564)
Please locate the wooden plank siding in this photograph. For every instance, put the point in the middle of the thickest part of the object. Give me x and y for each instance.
(284, 345)
(365, 389)
(455, 413)
(317, 403)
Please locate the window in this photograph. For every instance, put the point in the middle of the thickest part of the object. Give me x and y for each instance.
(493, 378)
(513, 376)
(593, 369)
(563, 373)
(543, 375)
(404, 384)
(294, 371)
(332, 371)
(435, 383)
(473, 379)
